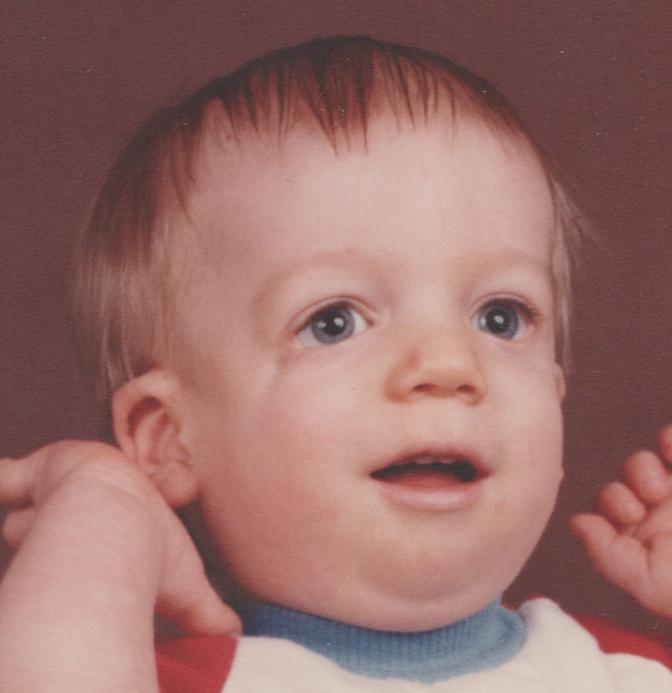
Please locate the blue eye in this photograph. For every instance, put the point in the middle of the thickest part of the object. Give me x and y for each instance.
(332, 324)
(500, 319)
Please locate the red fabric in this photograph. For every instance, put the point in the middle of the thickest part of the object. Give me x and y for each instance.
(615, 639)
(194, 664)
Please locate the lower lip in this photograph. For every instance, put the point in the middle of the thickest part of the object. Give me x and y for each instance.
(432, 491)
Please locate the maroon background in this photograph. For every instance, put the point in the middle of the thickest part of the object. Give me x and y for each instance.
(591, 77)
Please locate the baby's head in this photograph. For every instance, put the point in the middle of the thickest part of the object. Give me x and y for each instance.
(329, 292)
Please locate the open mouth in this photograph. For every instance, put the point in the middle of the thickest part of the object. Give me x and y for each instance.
(428, 472)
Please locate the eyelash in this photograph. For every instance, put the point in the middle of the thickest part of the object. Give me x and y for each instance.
(341, 320)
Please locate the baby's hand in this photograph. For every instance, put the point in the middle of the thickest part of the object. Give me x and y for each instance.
(98, 550)
(630, 540)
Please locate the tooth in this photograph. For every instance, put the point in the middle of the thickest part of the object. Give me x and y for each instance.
(425, 459)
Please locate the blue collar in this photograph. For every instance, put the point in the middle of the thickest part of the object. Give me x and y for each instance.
(482, 641)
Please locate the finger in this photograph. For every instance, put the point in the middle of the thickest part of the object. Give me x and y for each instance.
(620, 505)
(657, 597)
(16, 526)
(16, 480)
(203, 613)
(186, 595)
(621, 558)
(645, 473)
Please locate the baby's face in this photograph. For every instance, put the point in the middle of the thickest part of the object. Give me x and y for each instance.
(372, 400)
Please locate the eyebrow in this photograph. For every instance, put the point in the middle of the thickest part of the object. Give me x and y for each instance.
(324, 258)
(351, 257)
(515, 257)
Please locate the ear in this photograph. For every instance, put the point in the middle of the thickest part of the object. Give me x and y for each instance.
(147, 419)
(560, 382)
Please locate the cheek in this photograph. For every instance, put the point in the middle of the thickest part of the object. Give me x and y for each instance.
(274, 478)
(272, 527)
(275, 471)
(277, 433)
(544, 454)
(307, 425)
(531, 424)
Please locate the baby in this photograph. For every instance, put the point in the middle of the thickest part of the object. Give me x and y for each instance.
(328, 296)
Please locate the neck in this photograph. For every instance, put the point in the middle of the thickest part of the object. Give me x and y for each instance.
(482, 641)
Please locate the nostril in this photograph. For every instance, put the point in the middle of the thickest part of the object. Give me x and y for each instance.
(430, 388)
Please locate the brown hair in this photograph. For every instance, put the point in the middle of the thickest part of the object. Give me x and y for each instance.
(122, 290)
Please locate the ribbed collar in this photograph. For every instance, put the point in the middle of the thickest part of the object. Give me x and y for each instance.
(482, 641)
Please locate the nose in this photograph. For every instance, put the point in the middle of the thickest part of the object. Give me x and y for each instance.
(440, 364)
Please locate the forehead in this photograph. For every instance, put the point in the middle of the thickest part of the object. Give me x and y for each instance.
(297, 189)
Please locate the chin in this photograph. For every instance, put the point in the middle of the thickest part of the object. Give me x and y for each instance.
(434, 600)
(400, 615)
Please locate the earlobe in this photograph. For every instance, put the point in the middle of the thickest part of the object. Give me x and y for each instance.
(147, 418)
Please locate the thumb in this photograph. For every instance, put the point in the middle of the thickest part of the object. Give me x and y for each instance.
(198, 610)
(185, 594)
